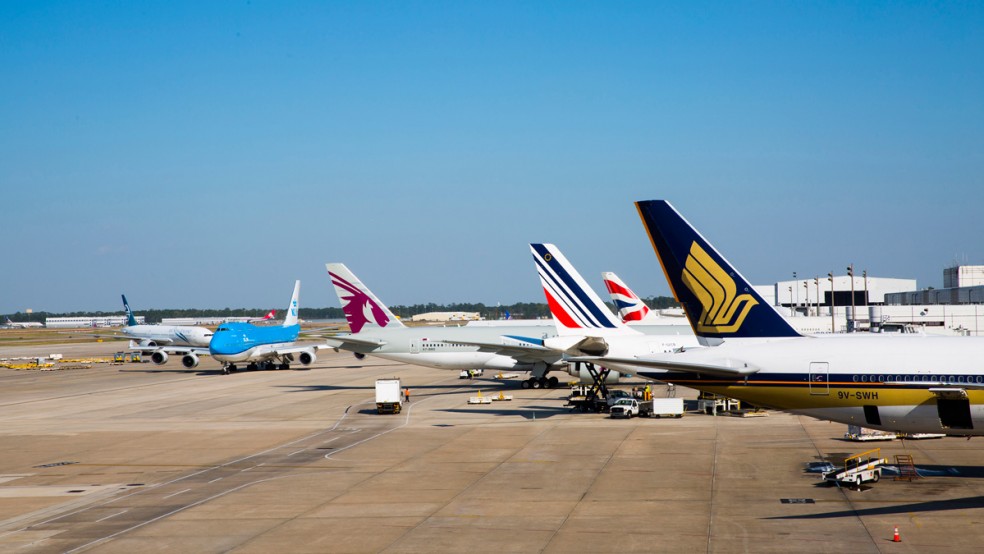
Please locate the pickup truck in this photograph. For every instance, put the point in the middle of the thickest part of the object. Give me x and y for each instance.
(630, 407)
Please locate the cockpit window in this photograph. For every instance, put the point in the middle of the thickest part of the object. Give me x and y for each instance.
(222, 329)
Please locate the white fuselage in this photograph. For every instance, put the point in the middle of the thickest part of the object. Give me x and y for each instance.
(876, 381)
(169, 335)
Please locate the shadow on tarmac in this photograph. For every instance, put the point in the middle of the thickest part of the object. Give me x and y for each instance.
(529, 412)
(971, 502)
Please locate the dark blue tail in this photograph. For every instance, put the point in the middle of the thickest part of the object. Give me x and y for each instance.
(130, 320)
(719, 302)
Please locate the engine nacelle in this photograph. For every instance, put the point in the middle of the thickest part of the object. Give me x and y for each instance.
(307, 357)
(359, 355)
(189, 360)
(586, 379)
(159, 357)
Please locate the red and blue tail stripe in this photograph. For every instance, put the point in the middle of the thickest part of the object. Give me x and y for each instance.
(571, 300)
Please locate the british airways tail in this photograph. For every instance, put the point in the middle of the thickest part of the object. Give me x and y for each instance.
(575, 307)
(719, 302)
(363, 310)
(630, 307)
(291, 317)
(130, 320)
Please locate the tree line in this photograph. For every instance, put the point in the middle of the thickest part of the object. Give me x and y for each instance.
(519, 310)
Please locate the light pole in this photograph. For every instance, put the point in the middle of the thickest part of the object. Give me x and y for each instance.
(833, 304)
(816, 281)
(864, 274)
(797, 294)
(854, 317)
(806, 296)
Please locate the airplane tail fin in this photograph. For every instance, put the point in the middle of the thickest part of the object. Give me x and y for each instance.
(130, 320)
(719, 302)
(575, 307)
(270, 315)
(362, 309)
(291, 317)
(630, 306)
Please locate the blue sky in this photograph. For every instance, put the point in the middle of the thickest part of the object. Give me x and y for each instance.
(206, 154)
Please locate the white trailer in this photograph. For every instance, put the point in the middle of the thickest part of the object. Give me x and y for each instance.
(667, 407)
(858, 469)
(389, 396)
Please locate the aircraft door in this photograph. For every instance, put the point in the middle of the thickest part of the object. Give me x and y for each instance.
(819, 378)
(415, 346)
(955, 413)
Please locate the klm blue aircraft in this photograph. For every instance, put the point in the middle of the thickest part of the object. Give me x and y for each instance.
(270, 347)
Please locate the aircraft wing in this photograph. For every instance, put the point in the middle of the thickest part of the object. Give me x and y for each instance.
(298, 348)
(520, 352)
(731, 369)
(348, 342)
(179, 350)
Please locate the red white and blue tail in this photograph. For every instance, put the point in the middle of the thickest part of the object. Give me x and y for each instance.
(575, 307)
(630, 307)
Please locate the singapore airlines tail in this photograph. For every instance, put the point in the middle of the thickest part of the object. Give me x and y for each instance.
(363, 310)
(719, 302)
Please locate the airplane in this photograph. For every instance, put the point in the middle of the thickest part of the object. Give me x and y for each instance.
(159, 341)
(632, 309)
(269, 347)
(377, 332)
(23, 324)
(898, 383)
(585, 325)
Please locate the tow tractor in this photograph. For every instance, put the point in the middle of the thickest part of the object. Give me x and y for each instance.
(858, 469)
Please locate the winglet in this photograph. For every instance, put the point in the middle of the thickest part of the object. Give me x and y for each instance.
(362, 309)
(630, 306)
(130, 320)
(575, 307)
(292, 308)
(719, 302)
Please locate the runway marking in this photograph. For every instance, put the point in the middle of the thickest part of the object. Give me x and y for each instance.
(177, 493)
(296, 452)
(113, 515)
(217, 479)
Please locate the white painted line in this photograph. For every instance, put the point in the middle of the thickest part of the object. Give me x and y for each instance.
(217, 479)
(297, 452)
(113, 515)
(177, 493)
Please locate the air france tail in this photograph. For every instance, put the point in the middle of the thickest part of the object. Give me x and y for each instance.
(719, 302)
(630, 307)
(575, 307)
(291, 317)
(362, 309)
(130, 320)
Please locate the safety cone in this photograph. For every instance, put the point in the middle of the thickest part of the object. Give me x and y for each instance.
(896, 537)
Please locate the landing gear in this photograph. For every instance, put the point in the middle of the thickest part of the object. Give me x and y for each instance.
(228, 368)
(540, 383)
(251, 366)
(284, 365)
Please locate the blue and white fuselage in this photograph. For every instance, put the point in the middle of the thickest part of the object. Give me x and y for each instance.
(273, 346)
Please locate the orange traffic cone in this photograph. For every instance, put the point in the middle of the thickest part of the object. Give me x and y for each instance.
(896, 537)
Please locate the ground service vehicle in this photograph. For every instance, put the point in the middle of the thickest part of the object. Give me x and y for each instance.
(389, 396)
(631, 407)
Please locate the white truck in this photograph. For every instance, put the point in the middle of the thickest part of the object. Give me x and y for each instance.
(857, 469)
(658, 407)
(389, 396)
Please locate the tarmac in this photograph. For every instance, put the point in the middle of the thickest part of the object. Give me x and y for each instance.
(145, 458)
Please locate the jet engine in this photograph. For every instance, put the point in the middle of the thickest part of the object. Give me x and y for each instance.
(189, 360)
(359, 355)
(307, 357)
(586, 379)
(159, 357)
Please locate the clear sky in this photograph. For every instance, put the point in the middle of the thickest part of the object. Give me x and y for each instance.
(206, 154)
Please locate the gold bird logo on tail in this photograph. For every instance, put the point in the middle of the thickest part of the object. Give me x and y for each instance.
(723, 309)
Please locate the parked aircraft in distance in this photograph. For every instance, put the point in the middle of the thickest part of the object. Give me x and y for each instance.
(23, 324)
(160, 341)
(901, 383)
(266, 347)
(585, 325)
(632, 309)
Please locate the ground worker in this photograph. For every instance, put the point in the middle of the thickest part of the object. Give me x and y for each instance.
(406, 394)
(648, 394)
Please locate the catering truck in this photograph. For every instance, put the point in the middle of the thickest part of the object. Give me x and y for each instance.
(389, 396)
